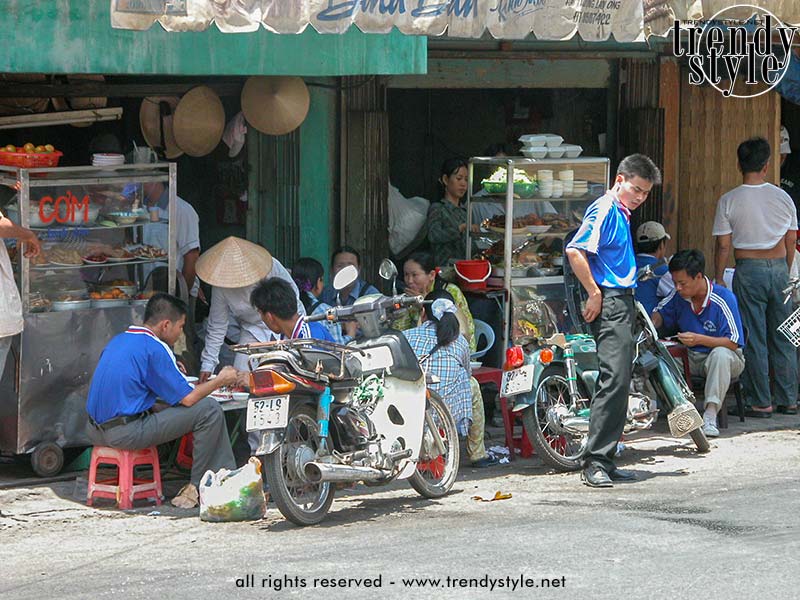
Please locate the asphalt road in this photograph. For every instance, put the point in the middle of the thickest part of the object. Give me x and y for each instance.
(724, 525)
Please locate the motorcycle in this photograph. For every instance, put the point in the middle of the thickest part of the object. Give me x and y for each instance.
(334, 415)
(555, 377)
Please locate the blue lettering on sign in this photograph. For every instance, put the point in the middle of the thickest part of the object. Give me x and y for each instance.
(345, 9)
(516, 8)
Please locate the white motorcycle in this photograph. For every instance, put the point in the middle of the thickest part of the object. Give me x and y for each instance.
(330, 414)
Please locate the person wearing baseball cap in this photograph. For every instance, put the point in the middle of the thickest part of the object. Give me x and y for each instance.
(651, 246)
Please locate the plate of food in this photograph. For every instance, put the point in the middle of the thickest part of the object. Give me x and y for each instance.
(146, 252)
(64, 258)
(95, 259)
(537, 229)
(120, 255)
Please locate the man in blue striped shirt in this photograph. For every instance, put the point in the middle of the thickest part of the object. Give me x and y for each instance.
(601, 256)
(707, 317)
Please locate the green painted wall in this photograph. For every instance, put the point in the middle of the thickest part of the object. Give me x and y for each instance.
(318, 164)
(75, 36)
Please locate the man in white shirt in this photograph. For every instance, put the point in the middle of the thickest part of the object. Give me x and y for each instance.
(187, 251)
(759, 221)
(11, 322)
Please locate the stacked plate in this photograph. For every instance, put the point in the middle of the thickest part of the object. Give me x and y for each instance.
(580, 187)
(108, 160)
(545, 179)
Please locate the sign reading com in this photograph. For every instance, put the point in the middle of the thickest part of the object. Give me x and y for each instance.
(723, 50)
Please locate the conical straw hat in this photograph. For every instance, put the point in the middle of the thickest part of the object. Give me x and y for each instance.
(234, 263)
(199, 121)
(151, 122)
(275, 105)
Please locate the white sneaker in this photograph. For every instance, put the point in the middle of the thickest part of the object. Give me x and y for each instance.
(710, 430)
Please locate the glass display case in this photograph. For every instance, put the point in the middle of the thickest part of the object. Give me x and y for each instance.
(520, 217)
(103, 254)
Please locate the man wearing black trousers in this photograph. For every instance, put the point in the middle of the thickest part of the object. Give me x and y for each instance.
(601, 256)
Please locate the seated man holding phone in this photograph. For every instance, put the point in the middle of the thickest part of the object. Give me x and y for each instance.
(709, 323)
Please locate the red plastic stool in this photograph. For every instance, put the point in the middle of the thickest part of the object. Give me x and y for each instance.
(521, 441)
(124, 488)
(185, 451)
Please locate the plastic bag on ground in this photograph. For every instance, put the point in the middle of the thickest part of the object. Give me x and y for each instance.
(233, 495)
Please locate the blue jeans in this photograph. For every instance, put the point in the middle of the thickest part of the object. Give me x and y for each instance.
(757, 284)
(5, 346)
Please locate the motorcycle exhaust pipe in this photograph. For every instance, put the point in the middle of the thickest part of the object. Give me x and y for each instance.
(323, 472)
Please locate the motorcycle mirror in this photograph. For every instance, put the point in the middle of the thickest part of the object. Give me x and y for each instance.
(387, 269)
(345, 277)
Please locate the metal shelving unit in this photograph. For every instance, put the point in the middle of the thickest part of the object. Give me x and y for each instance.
(595, 171)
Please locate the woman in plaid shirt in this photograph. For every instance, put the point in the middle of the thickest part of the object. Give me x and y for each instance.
(447, 353)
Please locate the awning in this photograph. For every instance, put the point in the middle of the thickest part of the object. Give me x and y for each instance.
(593, 20)
(75, 37)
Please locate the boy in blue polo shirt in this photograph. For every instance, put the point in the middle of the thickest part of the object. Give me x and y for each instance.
(601, 256)
(707, 317)
(137, 368)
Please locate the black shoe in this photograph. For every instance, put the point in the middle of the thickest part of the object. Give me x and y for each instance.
(622, 475)
(787, 410)
(486, 461)
(596, 477)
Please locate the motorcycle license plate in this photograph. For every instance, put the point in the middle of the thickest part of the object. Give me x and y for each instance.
(267, 413)
(517, 381)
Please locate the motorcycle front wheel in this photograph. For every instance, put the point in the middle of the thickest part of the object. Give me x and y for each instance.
(301, 502)
(435, 475)
(557, 449)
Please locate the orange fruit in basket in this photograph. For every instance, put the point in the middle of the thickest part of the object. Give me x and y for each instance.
(49, 148)
(39, 149)
(28, 147)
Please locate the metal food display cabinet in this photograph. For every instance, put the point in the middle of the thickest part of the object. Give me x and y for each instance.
(525, 241)
(86, 287)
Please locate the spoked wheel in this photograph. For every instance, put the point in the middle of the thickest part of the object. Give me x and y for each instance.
(301, 502)
(557, 448)
(436, 472)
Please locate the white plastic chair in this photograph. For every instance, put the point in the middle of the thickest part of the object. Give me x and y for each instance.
(482, 328)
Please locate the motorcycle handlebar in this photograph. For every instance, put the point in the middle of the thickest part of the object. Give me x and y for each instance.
(336, 313)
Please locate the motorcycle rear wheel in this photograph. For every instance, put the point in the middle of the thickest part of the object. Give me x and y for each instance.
(434, 478)
(700, 440)
(300, 502)
(558, 450)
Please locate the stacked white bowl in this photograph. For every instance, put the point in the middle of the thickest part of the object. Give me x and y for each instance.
(545, 179)
(558, 188)
(566, 177)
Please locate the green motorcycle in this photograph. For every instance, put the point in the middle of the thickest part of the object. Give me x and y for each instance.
(554, 378)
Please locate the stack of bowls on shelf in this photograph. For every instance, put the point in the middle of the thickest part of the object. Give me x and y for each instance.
(108, 160)
(558, 188)
(545, 179)
(580, 187)
(566, 177)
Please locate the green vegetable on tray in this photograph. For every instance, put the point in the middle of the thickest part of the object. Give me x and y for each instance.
(524, 184)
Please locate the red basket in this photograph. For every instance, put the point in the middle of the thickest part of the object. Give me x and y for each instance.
(30, 160)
